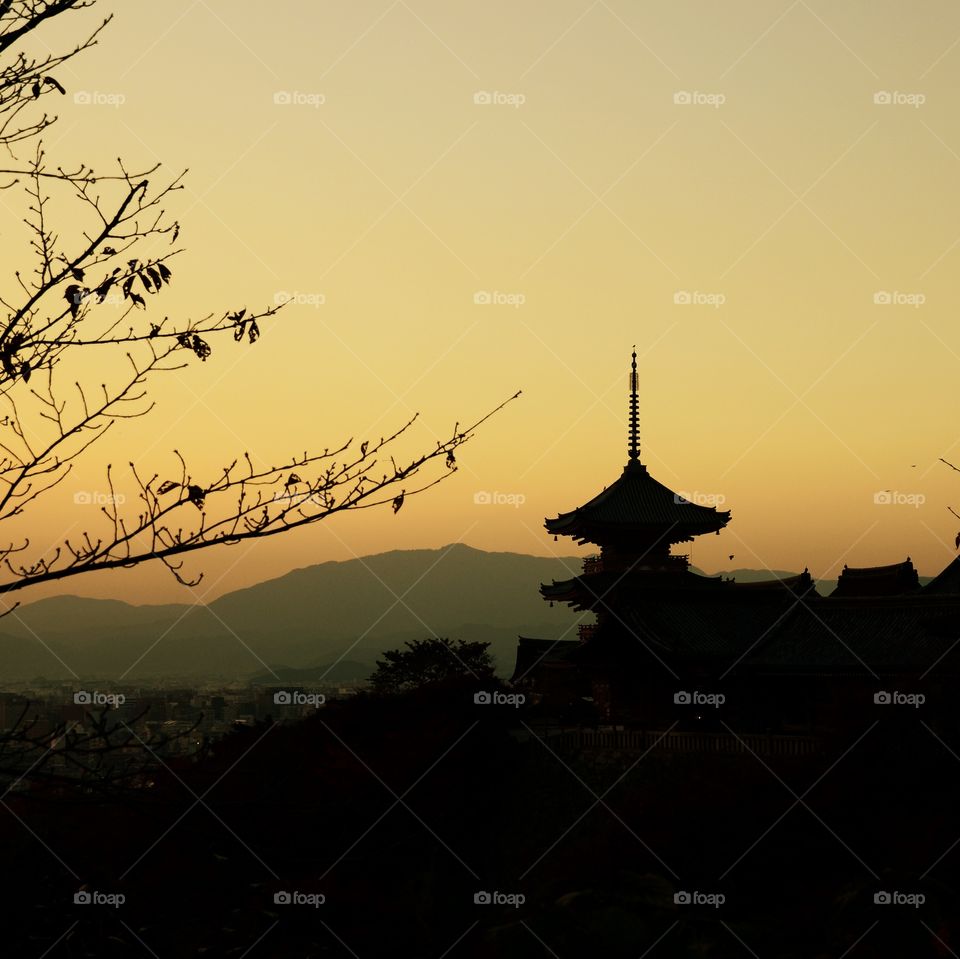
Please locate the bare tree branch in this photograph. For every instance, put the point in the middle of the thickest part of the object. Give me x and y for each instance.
(94, 287)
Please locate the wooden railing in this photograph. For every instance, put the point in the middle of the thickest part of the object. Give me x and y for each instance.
(597, 564)
(634, 740)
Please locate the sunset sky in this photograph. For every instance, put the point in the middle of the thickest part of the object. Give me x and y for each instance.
(762, 197)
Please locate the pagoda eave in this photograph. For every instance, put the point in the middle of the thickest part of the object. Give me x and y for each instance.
(599, 533)
(565, 591)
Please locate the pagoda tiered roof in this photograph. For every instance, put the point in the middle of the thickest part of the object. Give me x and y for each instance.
(580, 592)
(637, 503)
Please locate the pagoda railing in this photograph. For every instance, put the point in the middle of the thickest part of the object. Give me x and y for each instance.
(587, 631)
(592, 564)
(600, 564)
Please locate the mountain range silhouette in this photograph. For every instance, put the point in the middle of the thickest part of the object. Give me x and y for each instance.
(333, 618)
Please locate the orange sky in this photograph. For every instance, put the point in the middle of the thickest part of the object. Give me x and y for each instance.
(715, 183)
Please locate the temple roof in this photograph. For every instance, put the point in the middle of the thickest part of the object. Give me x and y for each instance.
(776, 627)
(636, 502)
(947, 581)
(800, 584)
(909, 634)
(885, 635)
(895, 580)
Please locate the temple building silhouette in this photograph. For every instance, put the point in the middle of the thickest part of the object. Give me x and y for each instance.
(669, 643)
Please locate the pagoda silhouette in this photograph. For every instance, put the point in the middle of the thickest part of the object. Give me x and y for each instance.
(635, 521)
(669, 643)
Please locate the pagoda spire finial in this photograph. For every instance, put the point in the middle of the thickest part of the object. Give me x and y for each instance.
(633, 449)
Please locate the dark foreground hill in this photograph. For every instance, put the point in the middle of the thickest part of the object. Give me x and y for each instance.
(430, 826)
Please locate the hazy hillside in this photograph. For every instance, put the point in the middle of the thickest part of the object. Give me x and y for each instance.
(309, 617)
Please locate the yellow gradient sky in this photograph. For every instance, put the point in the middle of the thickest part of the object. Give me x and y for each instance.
(783, 200)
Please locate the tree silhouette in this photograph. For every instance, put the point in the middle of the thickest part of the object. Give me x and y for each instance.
(427, 661)
(89, 759)
(55, 309)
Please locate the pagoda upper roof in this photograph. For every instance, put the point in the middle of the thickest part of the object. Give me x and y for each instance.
(636, 502)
